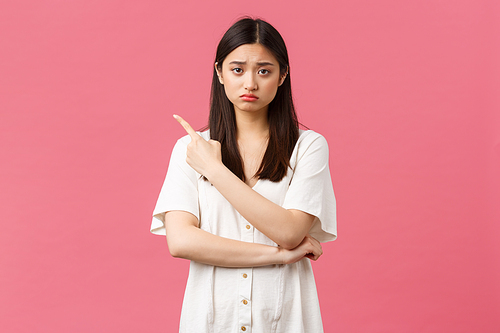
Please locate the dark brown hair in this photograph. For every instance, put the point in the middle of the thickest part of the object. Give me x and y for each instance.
(283, 124)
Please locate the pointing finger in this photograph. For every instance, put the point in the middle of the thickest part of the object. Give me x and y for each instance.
(186, 126)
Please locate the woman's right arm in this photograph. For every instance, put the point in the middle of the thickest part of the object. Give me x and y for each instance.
(186, 240)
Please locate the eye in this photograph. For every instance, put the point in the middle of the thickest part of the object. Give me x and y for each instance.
(264, 71)
(237, 70)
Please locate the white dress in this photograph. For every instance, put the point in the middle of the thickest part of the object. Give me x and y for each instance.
(274, 298)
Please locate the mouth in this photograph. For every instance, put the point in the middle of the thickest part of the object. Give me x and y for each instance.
(249, 97)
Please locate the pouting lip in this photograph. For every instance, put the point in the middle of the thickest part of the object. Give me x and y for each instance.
(249, 95)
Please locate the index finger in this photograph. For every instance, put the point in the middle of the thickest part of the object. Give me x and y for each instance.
(186, 126)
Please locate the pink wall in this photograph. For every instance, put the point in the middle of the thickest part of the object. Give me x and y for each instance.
(406, 93)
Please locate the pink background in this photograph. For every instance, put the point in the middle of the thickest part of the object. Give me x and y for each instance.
(406, 93)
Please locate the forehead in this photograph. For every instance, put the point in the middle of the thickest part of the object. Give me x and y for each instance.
(251, 53)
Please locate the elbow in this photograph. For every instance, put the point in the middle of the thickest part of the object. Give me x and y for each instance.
(289, 246)
(179, 231)
(174, 251)
(177, 249)
(291, 242)
(294, 233)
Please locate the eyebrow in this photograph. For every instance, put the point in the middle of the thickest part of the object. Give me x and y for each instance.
(262, 63)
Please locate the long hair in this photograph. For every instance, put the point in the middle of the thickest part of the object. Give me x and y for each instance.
(283, 123)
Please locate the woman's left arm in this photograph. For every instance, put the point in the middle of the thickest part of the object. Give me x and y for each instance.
(286, 227)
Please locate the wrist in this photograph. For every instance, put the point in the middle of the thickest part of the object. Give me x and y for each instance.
(280, 256)
(216, 172)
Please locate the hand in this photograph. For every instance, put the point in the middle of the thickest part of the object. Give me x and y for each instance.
(201, 155)
(308, 248)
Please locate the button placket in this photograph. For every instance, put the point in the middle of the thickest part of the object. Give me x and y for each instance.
(245, 304)
(245, 283)
(246, 231)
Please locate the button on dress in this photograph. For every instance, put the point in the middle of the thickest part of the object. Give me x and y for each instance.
(274, 298)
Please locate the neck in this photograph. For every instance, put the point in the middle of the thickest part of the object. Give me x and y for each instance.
(251, 124)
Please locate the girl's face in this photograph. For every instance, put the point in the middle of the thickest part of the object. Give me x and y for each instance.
(251, 76)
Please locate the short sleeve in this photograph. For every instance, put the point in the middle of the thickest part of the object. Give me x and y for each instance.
(179, 190)
(311, 188)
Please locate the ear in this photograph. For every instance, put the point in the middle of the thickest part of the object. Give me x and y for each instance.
(219, 74)
(283, 77)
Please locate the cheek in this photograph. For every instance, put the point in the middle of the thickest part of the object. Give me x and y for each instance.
(272, 89)
(230, 85)
(230, 92)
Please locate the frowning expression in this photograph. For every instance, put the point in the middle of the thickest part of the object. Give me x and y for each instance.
(251, 77)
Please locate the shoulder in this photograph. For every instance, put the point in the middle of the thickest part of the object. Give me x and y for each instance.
(311, 147)
(310, 135)
(186, 139)
(180, 148)
(308, 139)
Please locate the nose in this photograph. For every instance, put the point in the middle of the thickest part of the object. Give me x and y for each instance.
(250, 83)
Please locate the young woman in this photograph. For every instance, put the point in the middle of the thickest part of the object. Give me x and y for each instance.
(249, 200)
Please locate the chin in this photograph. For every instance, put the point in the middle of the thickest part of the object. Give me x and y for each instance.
(248, 108)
